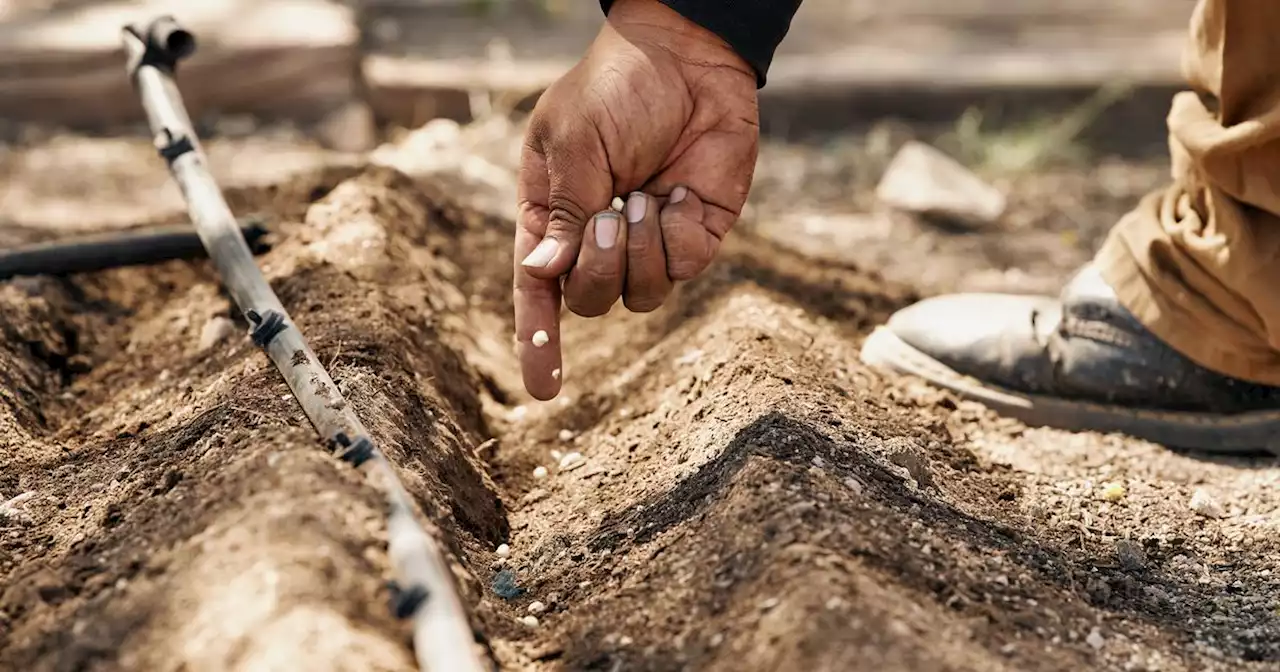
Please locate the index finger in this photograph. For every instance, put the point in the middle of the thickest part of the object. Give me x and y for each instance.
(537, 301)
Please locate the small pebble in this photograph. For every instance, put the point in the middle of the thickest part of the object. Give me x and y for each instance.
(536, 607)
(1113, 492)
(530, 621)
(1204, 504)
(540, 472)
(540, 338)
(504, 551)
(572, 461)
(769, 604)
(215, 331)
(1095, 639)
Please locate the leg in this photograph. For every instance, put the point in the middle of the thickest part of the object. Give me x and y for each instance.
(1173, 333)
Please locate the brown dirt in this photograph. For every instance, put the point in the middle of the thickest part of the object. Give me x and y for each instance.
(752, 497)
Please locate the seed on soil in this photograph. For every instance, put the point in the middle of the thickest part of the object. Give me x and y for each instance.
(530, 621)
(540, 338)
(769, 604)
(556, 455)
(537, 607)
(572, 461)
(540, 472)
(504, 551)
(1204, 504)
(1095, 639)
(1112, 492)
(566, 435)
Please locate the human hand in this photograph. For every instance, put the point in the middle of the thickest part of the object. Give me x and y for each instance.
(661, 110)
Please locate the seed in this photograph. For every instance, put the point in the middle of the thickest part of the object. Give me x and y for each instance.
(530, 621)
(536, 607)
(504, 551)
(556, 374)
(540, 472)
(540, 338)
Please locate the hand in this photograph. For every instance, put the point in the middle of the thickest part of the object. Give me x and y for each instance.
(660, 109)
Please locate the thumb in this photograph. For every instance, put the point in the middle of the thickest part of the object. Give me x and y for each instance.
(581, 185)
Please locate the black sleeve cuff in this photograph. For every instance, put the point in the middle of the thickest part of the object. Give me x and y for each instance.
(754, 28)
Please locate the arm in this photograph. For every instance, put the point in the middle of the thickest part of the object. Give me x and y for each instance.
(754, 28)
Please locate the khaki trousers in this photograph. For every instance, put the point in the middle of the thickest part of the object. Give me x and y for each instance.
(1199, 263)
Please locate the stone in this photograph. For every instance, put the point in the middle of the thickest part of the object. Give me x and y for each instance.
(924, 181)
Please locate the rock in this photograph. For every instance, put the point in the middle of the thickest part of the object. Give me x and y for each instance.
(924, 181)
(350, 128)
(504, 585)
(1205, 505)
(215, 331)
(1095, 639)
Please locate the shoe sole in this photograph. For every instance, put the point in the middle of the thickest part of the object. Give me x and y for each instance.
(1245, 433)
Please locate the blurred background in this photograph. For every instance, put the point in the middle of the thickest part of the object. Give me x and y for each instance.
(955, 144)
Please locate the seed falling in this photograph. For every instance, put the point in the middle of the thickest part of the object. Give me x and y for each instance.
(540, 338)
(504, 551)
(540, 472)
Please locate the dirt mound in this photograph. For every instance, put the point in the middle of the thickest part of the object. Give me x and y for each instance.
(726, 488)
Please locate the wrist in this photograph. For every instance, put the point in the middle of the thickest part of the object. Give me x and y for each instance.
(654, 22)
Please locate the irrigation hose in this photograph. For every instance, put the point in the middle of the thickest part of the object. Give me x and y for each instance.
(98, 252)
(443, 638)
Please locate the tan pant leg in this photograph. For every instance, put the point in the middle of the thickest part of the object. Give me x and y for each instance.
(1199, 264)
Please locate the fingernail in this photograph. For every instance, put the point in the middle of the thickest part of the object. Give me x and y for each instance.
(678, 194)
(606, 230)
(542, 254)
(637, 205)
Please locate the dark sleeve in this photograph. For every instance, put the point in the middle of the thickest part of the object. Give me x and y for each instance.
(754, 28)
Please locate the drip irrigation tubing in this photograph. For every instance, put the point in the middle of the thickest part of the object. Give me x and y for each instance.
(443, 638)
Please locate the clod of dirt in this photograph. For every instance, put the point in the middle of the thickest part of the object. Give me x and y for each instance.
(916, 464)
(1131, 556)
(1205, 505)
(215, 331)
(540, 338)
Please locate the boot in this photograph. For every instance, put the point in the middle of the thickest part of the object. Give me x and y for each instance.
(1079, 362)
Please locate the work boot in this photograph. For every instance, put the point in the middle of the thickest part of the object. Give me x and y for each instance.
(1080, 362)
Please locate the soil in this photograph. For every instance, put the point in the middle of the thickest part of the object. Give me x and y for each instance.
(751, 497)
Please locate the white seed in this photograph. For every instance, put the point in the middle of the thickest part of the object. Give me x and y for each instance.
(566, 435)
(530, 621)
(572, 461)
(536, 607)
(540, 338)
(540, 472)
(556, 455)
(556, 374)
(504, 551)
